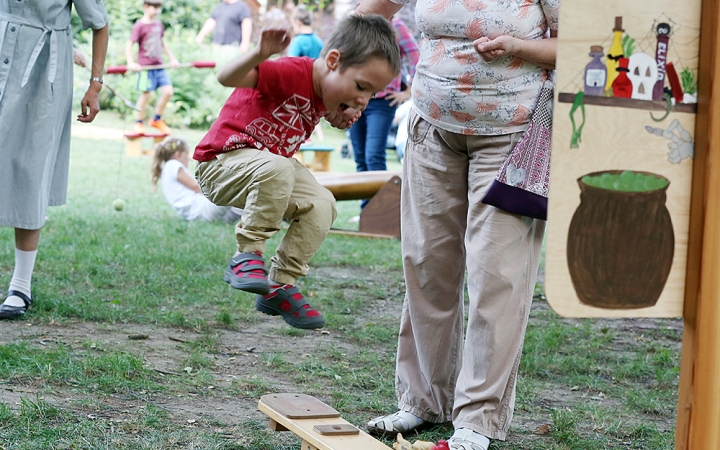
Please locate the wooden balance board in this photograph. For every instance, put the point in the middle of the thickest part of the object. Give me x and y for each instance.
(318, 425)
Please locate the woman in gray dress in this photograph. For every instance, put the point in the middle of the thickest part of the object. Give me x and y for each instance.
(36, 85)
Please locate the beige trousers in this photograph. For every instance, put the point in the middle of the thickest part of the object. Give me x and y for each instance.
(443, 371)
(268, 188)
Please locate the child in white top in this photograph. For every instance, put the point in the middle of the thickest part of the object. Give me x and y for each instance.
(179, 186)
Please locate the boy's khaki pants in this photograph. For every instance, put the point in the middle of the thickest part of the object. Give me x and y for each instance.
(268, 188)
(442, 373)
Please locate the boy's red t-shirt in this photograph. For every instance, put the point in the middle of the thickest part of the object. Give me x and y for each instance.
(277, 115)
(149, 37)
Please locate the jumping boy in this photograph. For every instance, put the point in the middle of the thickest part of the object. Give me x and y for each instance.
(246, 157)
(148, 33)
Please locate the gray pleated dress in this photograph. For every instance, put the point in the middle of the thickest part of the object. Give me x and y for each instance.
(36, 84)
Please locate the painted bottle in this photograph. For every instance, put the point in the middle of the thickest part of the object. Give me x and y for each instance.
(614, 53)
(595, 73)
(622, 86)
(663, 39)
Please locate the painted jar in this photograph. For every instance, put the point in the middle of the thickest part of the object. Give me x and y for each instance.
(595, 73)
(621, 242)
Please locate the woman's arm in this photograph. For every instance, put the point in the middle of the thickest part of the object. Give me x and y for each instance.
(90, 105)
(539, 52)
(385, 8)
(187, 180)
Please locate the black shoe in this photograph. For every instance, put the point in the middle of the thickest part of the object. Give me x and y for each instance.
(13, 312)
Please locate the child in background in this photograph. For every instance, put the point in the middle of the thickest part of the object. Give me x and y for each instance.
(148, 33)
(246, 157)
(305, 42)
(180, 189)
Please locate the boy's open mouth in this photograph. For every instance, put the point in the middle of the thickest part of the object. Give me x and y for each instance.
(343, 107)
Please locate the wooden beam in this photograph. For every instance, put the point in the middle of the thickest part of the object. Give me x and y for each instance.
(356, 186)
(699, 394)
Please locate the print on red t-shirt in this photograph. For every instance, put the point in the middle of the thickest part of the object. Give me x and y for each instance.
(278, 115)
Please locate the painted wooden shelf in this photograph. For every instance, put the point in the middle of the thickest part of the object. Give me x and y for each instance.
(569, 97)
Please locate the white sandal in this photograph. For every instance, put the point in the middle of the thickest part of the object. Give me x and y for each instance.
(399, 422)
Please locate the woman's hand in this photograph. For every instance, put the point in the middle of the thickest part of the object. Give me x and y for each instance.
(492, 49)
(541, 52)
(398, 98)
(90, 105)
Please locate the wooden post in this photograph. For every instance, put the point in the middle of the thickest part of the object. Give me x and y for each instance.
(699, 394)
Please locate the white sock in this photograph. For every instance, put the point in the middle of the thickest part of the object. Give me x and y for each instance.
(21, 279)
(472, 436)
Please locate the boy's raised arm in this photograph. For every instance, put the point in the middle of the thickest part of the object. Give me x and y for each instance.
(241, 72)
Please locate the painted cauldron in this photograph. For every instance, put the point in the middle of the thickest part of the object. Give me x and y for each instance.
(621, 241)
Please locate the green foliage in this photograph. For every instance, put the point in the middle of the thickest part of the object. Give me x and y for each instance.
(177, 16)
(628, 45)
(688, 81)
(198, 96)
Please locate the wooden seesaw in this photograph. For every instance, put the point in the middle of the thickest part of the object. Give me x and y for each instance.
(318, 425)
(381, 216)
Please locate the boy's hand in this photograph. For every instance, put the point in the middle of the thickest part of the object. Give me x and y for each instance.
(343, 119)
(134, 66)
(174, 63)
(273, 40)
(492, 49)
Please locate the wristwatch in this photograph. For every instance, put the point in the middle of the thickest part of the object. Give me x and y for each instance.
(98, 79)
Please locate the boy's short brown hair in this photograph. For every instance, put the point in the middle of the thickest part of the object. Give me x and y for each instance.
(360, 38)
(153, 2)
(302, 14)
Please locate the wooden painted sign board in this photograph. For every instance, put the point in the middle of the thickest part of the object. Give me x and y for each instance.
(622, 157)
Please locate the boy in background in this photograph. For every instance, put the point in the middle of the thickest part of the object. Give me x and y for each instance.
(246, 157)
(148, 34)
(305, 42)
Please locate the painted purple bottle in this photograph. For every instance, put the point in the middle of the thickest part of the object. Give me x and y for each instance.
(595, 73)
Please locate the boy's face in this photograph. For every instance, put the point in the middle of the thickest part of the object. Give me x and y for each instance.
(353, 86)
(152, 10)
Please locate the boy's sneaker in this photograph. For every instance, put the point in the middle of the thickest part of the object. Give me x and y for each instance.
(160, 125)
(138, 128)
(289, 303)
(246, 271)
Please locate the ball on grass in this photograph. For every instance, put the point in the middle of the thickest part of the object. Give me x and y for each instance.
(119, 204)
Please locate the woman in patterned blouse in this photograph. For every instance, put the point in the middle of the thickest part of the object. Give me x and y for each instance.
(482, 65)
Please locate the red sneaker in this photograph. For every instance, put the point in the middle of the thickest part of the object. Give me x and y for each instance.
(289, 303)
(246, 271)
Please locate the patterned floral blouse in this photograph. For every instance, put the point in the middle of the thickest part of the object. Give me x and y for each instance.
(454, 88)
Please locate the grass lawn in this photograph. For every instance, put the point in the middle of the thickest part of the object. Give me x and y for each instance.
(135, 342)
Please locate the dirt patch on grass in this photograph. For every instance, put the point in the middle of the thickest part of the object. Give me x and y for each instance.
(235, 364)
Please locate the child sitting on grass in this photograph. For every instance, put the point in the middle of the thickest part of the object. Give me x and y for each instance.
(170, 168)
(246, 157)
